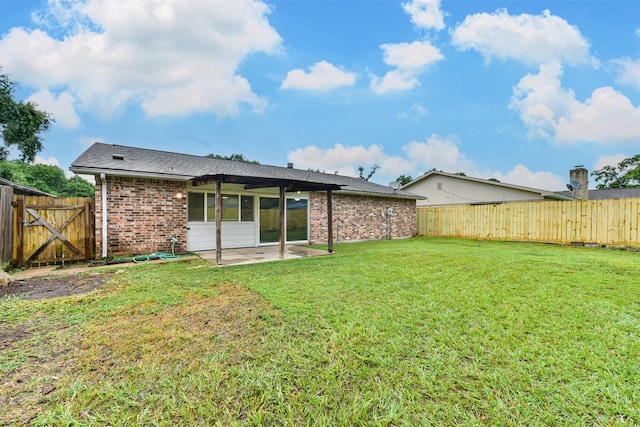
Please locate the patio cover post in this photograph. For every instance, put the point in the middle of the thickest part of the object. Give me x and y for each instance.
(218, 222)
(282, 223)
(329, 222)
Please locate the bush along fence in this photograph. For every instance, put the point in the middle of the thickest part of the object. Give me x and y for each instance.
(611, 222)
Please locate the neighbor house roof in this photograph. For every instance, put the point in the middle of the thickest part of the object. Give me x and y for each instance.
(544, 193)
(611, 193)
(24, 190)
(124, 160)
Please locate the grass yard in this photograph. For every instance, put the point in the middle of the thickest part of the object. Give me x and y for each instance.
(414, 332)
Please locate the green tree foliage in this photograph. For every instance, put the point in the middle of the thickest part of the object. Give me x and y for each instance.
(404, 179)
(46, 178)
(234, 157)
(21, 123)
(625, 174)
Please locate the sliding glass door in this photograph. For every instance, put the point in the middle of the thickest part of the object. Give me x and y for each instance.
(296, 217)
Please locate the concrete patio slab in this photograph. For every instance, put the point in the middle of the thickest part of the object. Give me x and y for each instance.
(260, 254)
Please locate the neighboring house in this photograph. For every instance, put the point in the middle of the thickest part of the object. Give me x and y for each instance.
(442, 188)
(23, 190)
(610, 193)
(145, 197)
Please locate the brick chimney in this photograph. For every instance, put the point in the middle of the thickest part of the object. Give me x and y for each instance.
(579, 182)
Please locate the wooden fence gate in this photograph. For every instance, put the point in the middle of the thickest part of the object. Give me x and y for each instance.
(52, 230)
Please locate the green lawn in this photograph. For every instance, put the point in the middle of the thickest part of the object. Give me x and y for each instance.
(415, 332)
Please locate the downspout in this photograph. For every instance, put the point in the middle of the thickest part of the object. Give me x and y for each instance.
(103, 181)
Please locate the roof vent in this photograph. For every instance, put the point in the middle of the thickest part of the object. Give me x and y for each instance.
(289, 165)
(118, 157)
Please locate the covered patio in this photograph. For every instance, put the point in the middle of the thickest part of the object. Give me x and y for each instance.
(285, 185)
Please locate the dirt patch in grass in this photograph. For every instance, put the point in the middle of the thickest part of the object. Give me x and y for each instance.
(56, 286)
(141, 340)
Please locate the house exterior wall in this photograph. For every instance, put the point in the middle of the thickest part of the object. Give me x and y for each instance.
(142, 216)
(446, 190)
(361, 218)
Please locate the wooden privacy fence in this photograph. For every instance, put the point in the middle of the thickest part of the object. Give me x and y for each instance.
(610, 222)
(6, 224)
(52, 230)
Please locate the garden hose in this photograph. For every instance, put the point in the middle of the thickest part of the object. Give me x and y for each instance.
(159, 255)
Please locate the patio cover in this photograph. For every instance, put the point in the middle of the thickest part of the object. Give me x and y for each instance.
(285, 185)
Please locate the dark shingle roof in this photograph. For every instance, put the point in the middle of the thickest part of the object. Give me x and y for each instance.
(123, 160)
(611, 193)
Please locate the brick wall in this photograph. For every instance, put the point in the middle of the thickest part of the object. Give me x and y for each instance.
(142, 216)
(361, 218)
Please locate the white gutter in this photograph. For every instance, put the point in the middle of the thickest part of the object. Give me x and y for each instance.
(103, 180)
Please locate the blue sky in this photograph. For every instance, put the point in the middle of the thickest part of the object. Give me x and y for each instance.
(518, 90)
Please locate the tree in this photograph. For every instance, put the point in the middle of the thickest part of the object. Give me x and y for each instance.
(625, 174)
(79, 187)
(404, 179)
(46, 178)
(21, 123)
(370, 174)
(234, 157)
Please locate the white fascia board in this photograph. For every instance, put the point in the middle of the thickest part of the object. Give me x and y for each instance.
(130, 174)
(380, 195)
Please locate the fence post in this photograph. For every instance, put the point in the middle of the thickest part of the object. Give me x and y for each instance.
(6, 224)
(88, 249)
(19, 232)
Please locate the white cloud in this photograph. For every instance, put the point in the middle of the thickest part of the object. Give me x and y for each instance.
(628, 72)
(321, 76)
(520, 175)
(340, 158)
(425, 13)
(609, 160)
(553, 112)
(51, 161)
(410, 60)
(531, 39)
(346, 159)
(61, 107)
(439, 153)
(172, 57)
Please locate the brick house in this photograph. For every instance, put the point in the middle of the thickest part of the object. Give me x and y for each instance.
(146, 197)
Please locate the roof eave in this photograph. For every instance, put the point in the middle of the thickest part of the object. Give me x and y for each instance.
(130, 174)
(387, 196)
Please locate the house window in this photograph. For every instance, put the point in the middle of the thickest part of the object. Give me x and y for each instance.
(202, 207)
(211, 207)
(246, 210)
(195, 207)
(230, 211)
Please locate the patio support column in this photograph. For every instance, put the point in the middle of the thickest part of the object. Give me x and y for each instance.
(282, 222)
(218, 223)
(329, 222)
